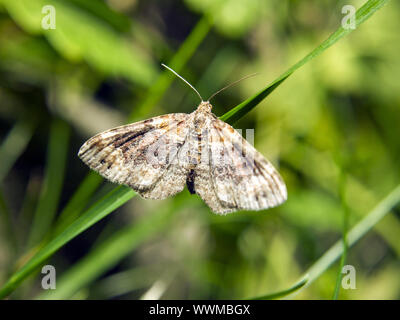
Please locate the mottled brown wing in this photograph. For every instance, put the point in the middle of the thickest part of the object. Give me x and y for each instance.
(237, 176)
(203, 182)
(141, 155)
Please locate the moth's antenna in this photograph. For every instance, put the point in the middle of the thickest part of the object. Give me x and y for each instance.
(179, 76)
(230, 85)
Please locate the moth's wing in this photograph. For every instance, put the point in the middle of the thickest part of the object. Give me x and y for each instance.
(258, 184)
(204, 184)
(172, 174)
(140, 154)
(240, 177)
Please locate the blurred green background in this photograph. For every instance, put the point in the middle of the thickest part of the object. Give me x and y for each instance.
(332, 129)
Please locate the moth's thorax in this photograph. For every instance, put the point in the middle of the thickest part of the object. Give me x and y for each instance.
(201, 116)
(204, 106)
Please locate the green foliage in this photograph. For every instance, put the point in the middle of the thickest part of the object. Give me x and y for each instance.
(14, 144)
(52, 184)
(98, 211)
(328, 120)
(80, 35)
(232, 17)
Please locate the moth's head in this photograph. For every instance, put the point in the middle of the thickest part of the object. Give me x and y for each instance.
(205, 106)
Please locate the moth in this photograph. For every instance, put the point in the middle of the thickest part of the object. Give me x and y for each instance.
(159, 156)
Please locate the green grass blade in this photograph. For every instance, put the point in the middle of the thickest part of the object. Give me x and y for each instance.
(122, 282)
(356, 233)
(98, 211)
(7, 222)
(331, 255)
(386, 229)
(10, 150)
(246, 106)
(71, 211)
(52, 184)
(362, 14)
(101, 10)
(178, 61)
(342, 194)
(283, 293)
(78, 201)
(108, 254)
(14, 145)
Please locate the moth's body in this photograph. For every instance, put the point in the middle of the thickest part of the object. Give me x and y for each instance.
(159, 156)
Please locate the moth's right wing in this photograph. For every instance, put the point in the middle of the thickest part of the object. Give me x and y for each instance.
(141, 155)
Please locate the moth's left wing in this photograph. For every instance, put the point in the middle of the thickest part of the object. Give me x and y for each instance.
(236, 176)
